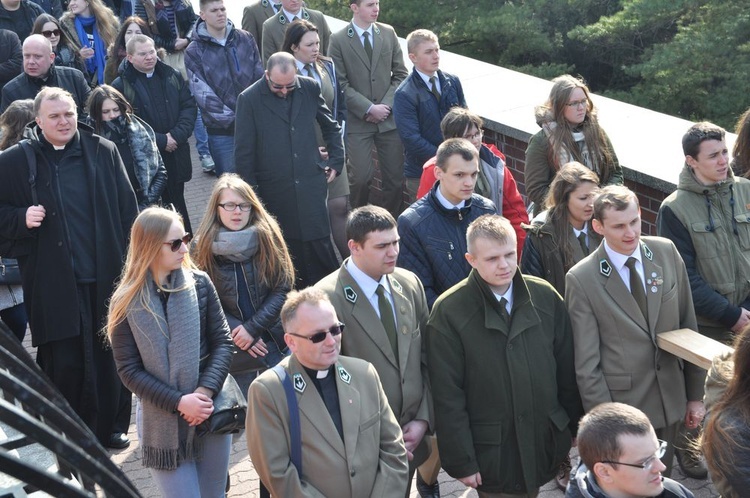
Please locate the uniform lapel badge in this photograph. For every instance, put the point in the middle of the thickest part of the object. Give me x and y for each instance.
(396, 285)
(654, 281)
(350, 294)
(350, 32)
(344, 375)
(305, 15)
(299, 383)
(605, 268)
(282, 18)
(647, 252)
(376, 29)
(264, 3)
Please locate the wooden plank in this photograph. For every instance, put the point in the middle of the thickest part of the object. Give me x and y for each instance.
(691, 346)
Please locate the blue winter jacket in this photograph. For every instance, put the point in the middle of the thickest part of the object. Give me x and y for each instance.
(433, 241)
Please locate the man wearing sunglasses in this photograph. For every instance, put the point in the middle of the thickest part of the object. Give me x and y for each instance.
(276, 151)
(620, 457)
(351, 444)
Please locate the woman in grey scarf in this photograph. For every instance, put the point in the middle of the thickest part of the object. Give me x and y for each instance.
(570, 132)
(172, 347)
(241, 248)
(112, 117)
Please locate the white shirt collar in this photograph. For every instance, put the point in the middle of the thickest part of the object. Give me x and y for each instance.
(289, 15)
(426, 78)
(577, 232)
(359, 30)
(445, 202)
(368, 284)
(508, 295)
(618, 260)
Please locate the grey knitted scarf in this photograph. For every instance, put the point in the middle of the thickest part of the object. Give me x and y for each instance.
(237, 246)
(169, 346)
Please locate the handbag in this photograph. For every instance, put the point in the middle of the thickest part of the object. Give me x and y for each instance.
(230, 410)
(9, 272)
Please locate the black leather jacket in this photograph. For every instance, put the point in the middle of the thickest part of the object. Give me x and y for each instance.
(215, 352)
(266, 302)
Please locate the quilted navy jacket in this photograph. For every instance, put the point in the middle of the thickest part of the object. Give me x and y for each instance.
(433, 241)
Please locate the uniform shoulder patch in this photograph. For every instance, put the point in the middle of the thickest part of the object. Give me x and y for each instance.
(343, 374)
(299, 383)
(350, 294)
(605, 268)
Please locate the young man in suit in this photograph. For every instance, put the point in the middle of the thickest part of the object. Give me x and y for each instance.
(619, 298)
(255, 14)
(351, 442)
(277, 153)
(386, 312)
(272, 36)
(370, 66)
(421, 101)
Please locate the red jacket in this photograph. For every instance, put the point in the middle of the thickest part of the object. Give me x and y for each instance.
(513, 206)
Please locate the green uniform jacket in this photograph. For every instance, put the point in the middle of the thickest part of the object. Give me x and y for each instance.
(505, 397)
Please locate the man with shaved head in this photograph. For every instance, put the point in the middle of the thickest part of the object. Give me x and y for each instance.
(39, 70)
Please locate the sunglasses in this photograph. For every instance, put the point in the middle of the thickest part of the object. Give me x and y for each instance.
(50, 34)
(321, 336)
(276, 86)
(175, 244)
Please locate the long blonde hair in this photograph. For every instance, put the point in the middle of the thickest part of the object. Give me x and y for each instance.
(106, 23)
(272, 260)
(147, 236)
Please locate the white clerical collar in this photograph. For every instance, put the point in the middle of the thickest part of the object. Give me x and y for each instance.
(445, 202)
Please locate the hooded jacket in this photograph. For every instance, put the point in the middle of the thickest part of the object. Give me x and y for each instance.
(218, 73)
(584, 485)
(710, 225)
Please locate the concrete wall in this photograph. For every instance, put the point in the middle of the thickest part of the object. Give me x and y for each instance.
(647, 143)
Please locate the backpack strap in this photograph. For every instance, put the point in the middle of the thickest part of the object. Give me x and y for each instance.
(31, 162)
(295, 431)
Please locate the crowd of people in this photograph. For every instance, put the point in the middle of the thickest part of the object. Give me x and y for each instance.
(378, 333)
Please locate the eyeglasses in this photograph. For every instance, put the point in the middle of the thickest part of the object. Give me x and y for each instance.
(475, 136)
(231, 206)
(578, 103)
(321, 336)
(276, 86)
(175, 244)
(648, 464)
(50, 34)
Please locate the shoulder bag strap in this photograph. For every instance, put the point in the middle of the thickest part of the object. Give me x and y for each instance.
(294, 422)
(31, 161)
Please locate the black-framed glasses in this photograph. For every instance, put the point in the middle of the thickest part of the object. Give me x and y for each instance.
(175, 244)
(231, 206)
(648, 464)
(51, 33)
(318, 337)
(276, 86)
(578, 103)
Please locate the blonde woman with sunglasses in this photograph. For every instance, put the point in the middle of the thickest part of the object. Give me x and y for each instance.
(172, 348)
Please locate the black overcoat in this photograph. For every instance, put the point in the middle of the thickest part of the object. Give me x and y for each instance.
(277, 153)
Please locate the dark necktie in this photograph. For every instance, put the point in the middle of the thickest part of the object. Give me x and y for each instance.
(368, 45)
(636, 287)
(504, 310)
(433, 88)
(386, 316)
(309, 70)
(582, 242)
(277, 7)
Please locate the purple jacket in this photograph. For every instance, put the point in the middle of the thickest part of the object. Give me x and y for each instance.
(217, 74)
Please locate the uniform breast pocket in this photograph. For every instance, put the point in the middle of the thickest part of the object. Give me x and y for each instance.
(369, 423)
(742, 222)
(704, 238)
